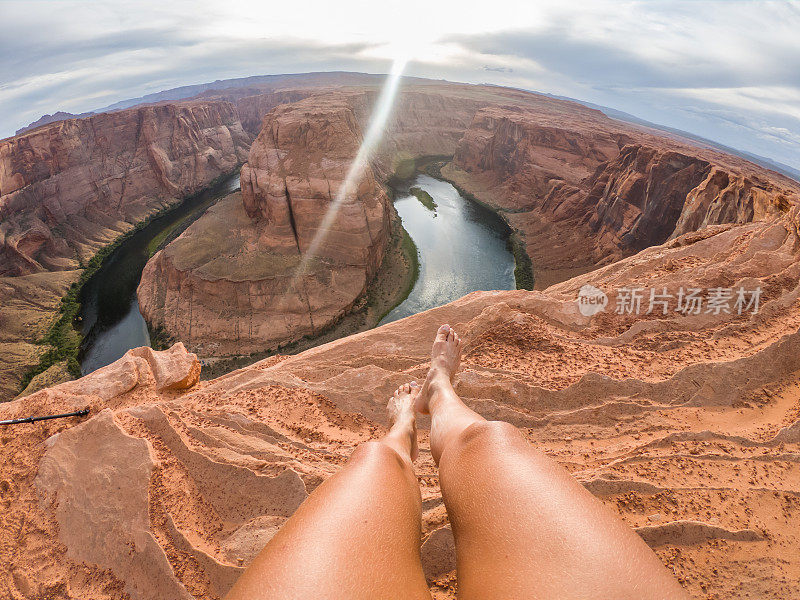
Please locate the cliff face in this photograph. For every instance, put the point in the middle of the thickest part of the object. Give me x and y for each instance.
(526, 152)
(68, 188)
(45, 119)
(684, 425)
(252, 108)
(638, 197)
(248, 289)
(647, 195)
(585, 190)
(426, 120)
(581, 189)
(727, 196)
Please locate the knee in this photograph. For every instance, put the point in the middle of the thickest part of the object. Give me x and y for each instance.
(379, 455)
(489, 434)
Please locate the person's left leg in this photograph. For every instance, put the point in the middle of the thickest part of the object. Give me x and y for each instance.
(358, 534)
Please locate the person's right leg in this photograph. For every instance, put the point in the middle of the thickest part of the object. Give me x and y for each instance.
(523, 526)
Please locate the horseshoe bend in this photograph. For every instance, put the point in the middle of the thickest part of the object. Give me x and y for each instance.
(674, 400)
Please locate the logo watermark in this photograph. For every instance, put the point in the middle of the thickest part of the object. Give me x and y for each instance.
(591, 300)
(686, 301)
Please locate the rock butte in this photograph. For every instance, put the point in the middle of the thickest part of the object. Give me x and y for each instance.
(229, 284)
(687, 426)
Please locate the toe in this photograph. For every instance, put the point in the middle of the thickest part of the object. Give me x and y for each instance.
(441, 335)
(405, 388)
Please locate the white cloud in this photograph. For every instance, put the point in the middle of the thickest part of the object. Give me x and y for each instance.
(681, 63)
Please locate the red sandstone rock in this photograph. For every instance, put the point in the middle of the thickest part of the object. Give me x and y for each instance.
(585, 190)
(237, 291)
(249, 294)
(686, 425)
(173, 369)
(70, 187)
(681, 424)
(97, 477)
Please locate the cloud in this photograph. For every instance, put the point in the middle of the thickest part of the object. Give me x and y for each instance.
(726, 70)
(91, 82)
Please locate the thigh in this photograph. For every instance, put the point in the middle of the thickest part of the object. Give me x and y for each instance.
(525, 528)
(357, 536)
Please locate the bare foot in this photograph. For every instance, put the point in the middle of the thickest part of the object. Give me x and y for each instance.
(445, 358)
(402, 417)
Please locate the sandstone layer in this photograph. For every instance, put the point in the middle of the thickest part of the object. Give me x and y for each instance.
(581, 190)
(686, 425)
(236, 282)
(69, 188)
(584, 190)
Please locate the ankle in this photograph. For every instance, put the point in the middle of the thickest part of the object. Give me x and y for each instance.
(404, 424)
(439, 380)
(441, 396)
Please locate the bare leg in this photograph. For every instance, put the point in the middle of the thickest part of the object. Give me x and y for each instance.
(523, 526)
(357, 536)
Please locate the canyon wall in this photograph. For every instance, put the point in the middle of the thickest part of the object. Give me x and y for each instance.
(243, 291)
(685, 425)
(252, 108)
(71, 187)
(584, 190)
(68, 188)
(248, 288)
(580, 189)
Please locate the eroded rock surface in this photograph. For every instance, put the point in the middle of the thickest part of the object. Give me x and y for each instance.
(71, 187)
(584, 190)
(685, 425)
(235, 282)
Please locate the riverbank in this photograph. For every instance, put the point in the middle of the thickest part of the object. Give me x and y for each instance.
(65, 336)
(523, 269)
(432, 165)
(111, 322)
(463, 246)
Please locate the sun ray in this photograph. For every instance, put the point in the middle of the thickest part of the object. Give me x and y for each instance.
(375, 131)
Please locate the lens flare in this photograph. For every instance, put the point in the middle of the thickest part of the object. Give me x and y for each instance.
(380, 116)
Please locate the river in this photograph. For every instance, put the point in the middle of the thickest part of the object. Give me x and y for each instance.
(463, 247)
(111, 322)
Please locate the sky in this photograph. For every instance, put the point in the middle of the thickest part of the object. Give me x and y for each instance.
(726, 70)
